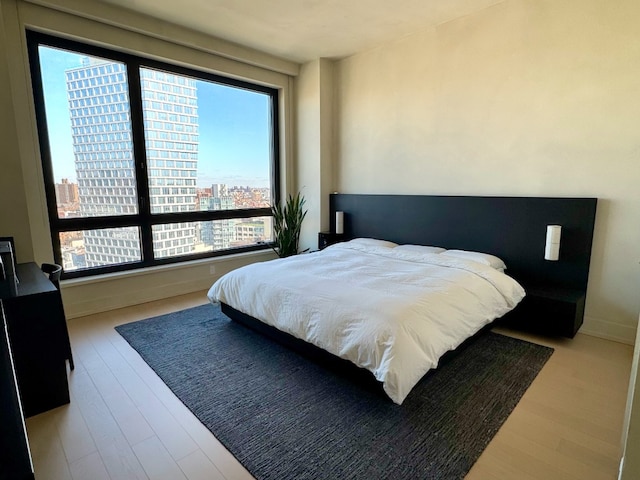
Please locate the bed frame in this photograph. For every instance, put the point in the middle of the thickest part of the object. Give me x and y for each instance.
(338, 365)
(513, 228)
(344, 368)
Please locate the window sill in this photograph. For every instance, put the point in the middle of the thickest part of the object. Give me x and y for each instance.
(107, 277)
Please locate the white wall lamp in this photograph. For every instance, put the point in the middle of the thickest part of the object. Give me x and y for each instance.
(340, 222)
(552, 245)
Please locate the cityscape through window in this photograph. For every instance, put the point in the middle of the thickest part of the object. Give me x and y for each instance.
(146, 162)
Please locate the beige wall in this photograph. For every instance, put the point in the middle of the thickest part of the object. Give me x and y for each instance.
(14, 216)
(22, 201)
(108, 292)
(528, 97)
(315, 146)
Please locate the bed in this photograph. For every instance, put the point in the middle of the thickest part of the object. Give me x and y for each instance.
(396, 307)
(392, 310)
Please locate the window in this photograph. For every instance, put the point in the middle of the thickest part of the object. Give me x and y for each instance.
(147, 163)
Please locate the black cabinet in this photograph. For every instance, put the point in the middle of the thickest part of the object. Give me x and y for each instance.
(549, 310)
(35, 323)
(15, 460)
(328, 238)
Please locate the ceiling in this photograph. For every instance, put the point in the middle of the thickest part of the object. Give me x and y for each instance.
(303, 30)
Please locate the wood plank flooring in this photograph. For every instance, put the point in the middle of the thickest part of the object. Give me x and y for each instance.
(124, 423)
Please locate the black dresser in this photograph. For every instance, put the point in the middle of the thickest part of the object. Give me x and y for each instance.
(15, 459)
(35, 322)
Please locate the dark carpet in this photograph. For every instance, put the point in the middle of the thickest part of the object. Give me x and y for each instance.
(285, 417)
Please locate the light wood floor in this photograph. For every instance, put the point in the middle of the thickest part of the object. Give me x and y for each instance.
(124, 423)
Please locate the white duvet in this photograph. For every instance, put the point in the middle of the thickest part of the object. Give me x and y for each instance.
(392, 312)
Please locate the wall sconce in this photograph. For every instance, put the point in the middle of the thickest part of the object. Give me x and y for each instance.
(552, 245)
(340, 223)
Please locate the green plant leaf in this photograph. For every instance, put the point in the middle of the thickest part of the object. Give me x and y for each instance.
(287, 223)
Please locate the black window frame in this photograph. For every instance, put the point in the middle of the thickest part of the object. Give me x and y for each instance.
(144, 219)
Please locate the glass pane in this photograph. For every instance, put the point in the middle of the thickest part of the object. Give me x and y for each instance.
(88, 120)
(99, 248)
(175, 239)
(208, 145)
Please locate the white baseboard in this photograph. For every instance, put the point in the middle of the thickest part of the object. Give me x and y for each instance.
(618, 332)
(621, 468)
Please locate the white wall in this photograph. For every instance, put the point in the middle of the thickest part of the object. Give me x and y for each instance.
(23, 211)
(527, 97)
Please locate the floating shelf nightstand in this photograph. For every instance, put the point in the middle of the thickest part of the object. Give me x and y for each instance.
(549, 310)
(328, 238)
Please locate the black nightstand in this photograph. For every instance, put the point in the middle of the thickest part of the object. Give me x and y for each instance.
(550, 311)
(328, 238)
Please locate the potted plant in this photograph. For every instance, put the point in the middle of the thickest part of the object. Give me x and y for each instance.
(287, 221)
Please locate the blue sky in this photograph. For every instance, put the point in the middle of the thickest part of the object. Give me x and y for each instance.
(234, 138)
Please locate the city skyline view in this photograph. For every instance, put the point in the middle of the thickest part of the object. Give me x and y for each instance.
(198, 134)
(234, 147)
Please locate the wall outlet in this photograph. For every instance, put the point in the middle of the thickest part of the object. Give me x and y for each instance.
(212, 269)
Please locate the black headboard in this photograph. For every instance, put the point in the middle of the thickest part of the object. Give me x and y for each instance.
(513, 228)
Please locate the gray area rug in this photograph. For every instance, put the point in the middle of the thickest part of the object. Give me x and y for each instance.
(285, 417)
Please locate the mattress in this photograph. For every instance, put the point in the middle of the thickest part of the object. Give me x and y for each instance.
(391, 311)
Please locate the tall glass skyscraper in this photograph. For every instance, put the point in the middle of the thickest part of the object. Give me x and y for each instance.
(170, 105)
(103, 150)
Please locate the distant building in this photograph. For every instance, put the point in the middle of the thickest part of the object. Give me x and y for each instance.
(250, 232)
(219, 190)
(217, 234)
(66, 193)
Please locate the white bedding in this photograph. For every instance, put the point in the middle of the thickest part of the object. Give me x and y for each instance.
(390, 311)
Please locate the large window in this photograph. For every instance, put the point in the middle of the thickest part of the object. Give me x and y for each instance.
(148, 163)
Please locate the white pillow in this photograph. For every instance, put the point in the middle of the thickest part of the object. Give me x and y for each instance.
(419, 249)
(484, 258)
(372, 242)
